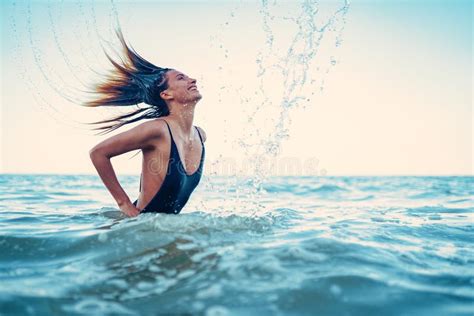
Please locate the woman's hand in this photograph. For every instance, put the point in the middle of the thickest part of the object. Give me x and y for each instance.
(129, 209)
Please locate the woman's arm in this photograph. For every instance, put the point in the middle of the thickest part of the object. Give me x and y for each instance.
(139, 137)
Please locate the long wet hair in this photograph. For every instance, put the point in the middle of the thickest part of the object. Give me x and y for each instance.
(133, 80)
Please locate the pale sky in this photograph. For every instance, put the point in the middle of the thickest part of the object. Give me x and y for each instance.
(396, 97)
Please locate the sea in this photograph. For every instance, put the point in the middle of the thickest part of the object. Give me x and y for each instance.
(299, 245)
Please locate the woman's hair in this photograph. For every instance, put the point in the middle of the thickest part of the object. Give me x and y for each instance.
(132, 81)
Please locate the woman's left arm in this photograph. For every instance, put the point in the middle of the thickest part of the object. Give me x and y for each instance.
(139, 137)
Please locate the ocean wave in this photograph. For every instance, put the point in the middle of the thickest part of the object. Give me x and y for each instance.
(305, 189)
(429, 209)
(143, 232)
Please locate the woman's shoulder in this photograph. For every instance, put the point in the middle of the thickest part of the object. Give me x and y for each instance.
(155, 126)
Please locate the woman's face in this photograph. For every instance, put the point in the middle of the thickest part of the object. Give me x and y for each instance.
(181, 88)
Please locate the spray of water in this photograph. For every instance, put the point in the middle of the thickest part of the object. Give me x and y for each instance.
(41, 100)
(63, 79)
(291, 68)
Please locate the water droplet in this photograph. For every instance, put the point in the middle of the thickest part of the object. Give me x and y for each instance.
(335, 289)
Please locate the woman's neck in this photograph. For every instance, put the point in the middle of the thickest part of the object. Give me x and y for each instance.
(184, 119)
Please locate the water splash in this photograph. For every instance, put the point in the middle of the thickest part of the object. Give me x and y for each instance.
(297, 54)
(73, 69)
(47, 72)
(43, 103)
(293, 67)
(63, 79)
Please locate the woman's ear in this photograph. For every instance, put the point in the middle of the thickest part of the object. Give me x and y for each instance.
(165, 95)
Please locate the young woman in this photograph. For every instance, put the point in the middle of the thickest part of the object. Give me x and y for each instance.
(173, 148)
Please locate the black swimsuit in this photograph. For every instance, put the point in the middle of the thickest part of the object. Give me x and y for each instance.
(177, 185)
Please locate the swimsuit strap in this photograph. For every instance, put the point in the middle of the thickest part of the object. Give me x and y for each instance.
(199, 134)
(171, 134)
(169, 129)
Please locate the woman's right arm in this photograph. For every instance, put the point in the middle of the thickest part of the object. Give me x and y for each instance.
(142, 136)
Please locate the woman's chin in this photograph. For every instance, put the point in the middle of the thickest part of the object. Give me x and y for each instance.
(193, 100)
(198, 96)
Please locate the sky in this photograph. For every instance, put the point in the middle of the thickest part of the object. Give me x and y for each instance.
(389, 89)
